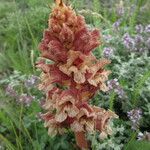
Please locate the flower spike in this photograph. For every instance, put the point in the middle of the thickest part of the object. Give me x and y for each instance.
(71, 76)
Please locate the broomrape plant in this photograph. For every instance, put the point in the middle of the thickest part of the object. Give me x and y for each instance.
(71, 76)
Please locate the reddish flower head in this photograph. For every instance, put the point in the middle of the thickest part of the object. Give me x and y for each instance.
(71, 75)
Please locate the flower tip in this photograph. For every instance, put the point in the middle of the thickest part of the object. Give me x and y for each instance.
(59, 2)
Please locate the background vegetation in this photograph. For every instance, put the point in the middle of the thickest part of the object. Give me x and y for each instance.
(125, 32)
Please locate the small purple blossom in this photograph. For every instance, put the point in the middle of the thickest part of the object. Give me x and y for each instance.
(32, 81)
(108, 51)
(147, 29)
(25, 99)
(141, 50)
(139, 28)
(116, 25)
(120, 92)
(128, 42)
(139, 39)
(114, 85)
(135, 115)
(10, 91)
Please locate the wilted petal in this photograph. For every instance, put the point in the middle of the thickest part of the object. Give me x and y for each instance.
(60, 117)
(103, 87)
(66, 35)
(85, 41)
(79, 75)
(66, 106)
(73, 111)
(76, 126)
(65, 97)
(103, 118)
(89, 126)
(51, 47)
(85, 120)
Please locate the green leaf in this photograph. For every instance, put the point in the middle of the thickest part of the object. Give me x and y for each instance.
(139, 145)
(8, 144)
(139, 87)
(112, 100)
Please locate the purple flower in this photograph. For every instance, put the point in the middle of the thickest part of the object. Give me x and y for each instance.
(116, 24)
(108, 51)
(147, 29)
(10, 91)
(128, 42)
(32, 81)
(139, 39)
(141, 50)
(135, 116)
(25, 99)
(107, 38)
(120, 92)
(114, 85)
(139, 28)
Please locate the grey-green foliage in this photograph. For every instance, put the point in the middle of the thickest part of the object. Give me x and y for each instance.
(115, 141)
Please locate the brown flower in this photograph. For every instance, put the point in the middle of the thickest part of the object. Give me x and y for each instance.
(51, 99)
(71, 76)
(66, 106)
(84, 120)
(52, 48)
(51, 74)
(53, 126)
(102, 120)
(86, 68)
(86, 40)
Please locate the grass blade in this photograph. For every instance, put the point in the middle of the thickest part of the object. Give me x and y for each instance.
(8, 144)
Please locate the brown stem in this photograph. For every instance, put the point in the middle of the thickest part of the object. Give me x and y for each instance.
(81, 140)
